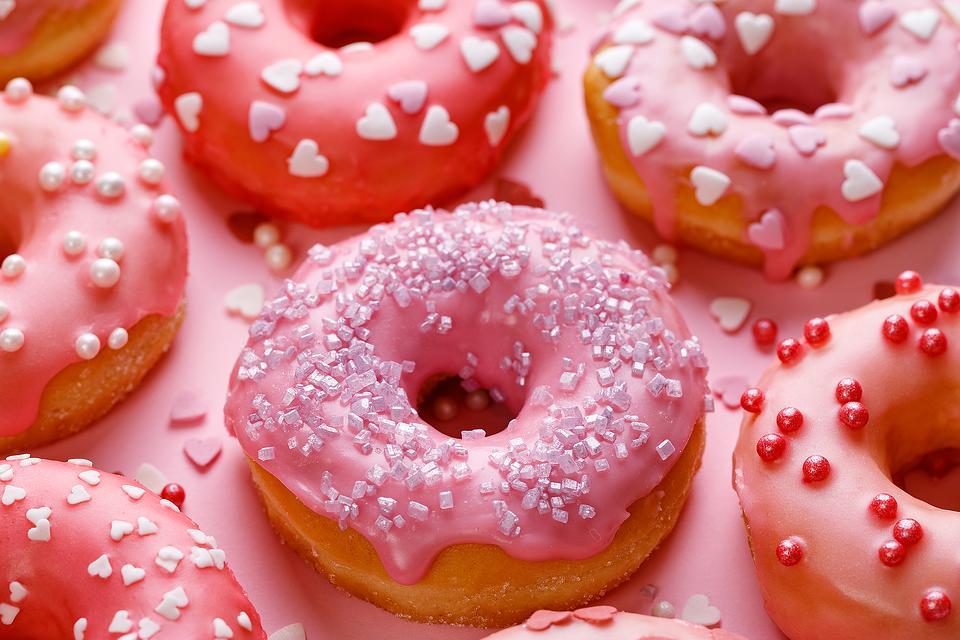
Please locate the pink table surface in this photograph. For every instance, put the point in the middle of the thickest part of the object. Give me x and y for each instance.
(706, 554)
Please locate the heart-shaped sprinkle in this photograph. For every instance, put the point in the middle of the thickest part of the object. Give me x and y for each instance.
(952, 9)
(529, 14)
(428, 35)
(37, 514)
(790, 117)
(149, 111)
(729, 389)
(881, 131)
(949, 138)
(806, 139)
(744, 106)
(491, 13)
(121, 622)
(221, 629)
(188, 107)
(861, 182)
(327, 63)
(377, 123)
(410, 95)
(119, 529)
(283, 76)
(131, 574)
(905, 70)
(636, 32)
(214, 41)
(114, 56)
(193, 5)
(754, 31)
(768, 232)
(248, 15)
(289, 632)
(543, 619)
(756, 150)
(922, 23)
(437, 130)
(133, 492)
(12, 494)
(707, 21)
(100, 568)
(432, 5)
(147, 628)
(623, 93)
(40, 532)
(202, 451)
(90, 476)
(17, 592)
(187, 407)
(245, 300)
(643, 135)
(874, 15)
(710, 184)
(306, 162)
(730, 312)
(150, 477)
(672, 20)
(146, 527)
(520, 43)
(264, 118)
(599, 614)
(8, 613)
(833, 111)
(479, 53)
(698, 610)
(707, 120)
(168, 558)
(698, 54)
(613, 61)
(496, 123)
(795, 7)
(77, 495)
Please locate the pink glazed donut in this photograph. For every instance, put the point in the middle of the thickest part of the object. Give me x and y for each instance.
(577, 337)
(842, 551)
(279, 109)
(93, 264)
(90, 555)
(779, 132)
(606, 623)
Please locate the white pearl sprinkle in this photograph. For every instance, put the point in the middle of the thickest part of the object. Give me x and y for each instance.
(83, 150)
(278, 257)
(18, 90)
(118, 338)
(166, 208)
(52, 176)
(104, 273)
(82, 172)
(88, 346)
(71, 98)
(111, 185)
(810, 277)
(111, 248)
(142, 134)
(151, 171)
(74, 243)
(4, 311)
(13, 266)
(266, 235)
(11, 340)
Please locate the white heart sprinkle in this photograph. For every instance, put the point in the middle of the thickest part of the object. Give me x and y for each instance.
(289, 632)
(305, 162)
(710, 184)
(6, 473)
(861, 182)
(437, 130)
(327, 63)
(520, 43)
(147, 629)
(952, 9)
(121, 622)
(698, 610)
(168, 558)
(80, 462)
(634, 32)
(643, 135)
(103, 97)
(529, 14)
(221, 629)
(922, 23)
(114, 56)
(428, 35)
(119, 529)
(432, 5)
(214, 41)
(284, 75)
(135, 493)
(699, 55)
(131, 574)
(613, 61)
(8, 613)
(194, 4)
(79, 627)
(881, 131)
(795, 7)
(146, 526)
(40, 532)
(244, 621)
(12, 494)
(245, 300)
(38, 514)
(150, 477)
(496, 124)
(188, 107)
(479, 53)
(754, 31)
(730, 313)
(707, 120)
(90, 476)
(248, 15)
(17, 592)
(100, 567)
(78, 495)
(377, 123)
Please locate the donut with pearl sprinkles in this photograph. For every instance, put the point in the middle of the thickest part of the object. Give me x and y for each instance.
(607, 623)
(96, 555)
(829, 530)
(93, 263)
(577, 336)
(281, 107)
(779, 133)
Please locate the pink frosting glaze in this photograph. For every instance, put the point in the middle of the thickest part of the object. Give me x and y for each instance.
(577, 335)
(352, 134)
(52, 311)
(606, 623)
(825, 530)
(844, 64)
(19, 19)
(90, 554)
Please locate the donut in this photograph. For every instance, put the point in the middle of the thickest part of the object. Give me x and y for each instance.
(575, 337)
(93, 261)
(779, 133)
(862, 397)
(92, 553)
(604, 622)
(40, 38)
(287, 105)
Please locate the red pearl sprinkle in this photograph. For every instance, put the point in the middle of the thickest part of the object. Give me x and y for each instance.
(849, 390)
(933, 342)
(771, 446)
(790, 552)
(923, 312)
(789, 420)
(752, 400)
(175, 494)
(908, 282)
(895, 329)
(788, 350)
(908, 531)
(949, 301)
(815, 469)
(892, 553)
(816, 331)
(884, 506)
(935, 605)
(854, 415)
(764, 331)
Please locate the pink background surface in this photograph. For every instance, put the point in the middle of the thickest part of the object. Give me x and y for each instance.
(708, 551)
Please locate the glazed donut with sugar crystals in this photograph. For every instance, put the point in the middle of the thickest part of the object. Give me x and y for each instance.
(866, 395)
(779, 133)
(40, 38)
(93, 263)
(349, 111)
(576, 337)
(92, 555)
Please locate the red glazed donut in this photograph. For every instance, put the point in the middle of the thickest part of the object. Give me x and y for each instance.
(279, 113)
(91, 555)
(840, 550)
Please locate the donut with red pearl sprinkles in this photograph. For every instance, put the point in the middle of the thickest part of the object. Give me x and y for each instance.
(282, 105)
(829, 529)
(92, 265)
(96, 555)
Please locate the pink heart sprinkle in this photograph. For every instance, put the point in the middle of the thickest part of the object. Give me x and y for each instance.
(728, 390)
(491, 13)
(149, 111)
(806, 139)
(410, 95)
(745, 106)
(543, 619)
(768, 232)
(756, 150)
(790, 117)
(949, 138)
(187, 408)
(833, 110)
(708, 21)
(264, 119)
(673, 20)
(905, 70)
(595, 615)
(875, 15)
(202, 451)
(157, 76)
(623, 93)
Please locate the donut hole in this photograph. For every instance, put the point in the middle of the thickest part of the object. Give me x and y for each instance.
(933, 478)
(338, 23)
(451, 406)
(11, 236)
